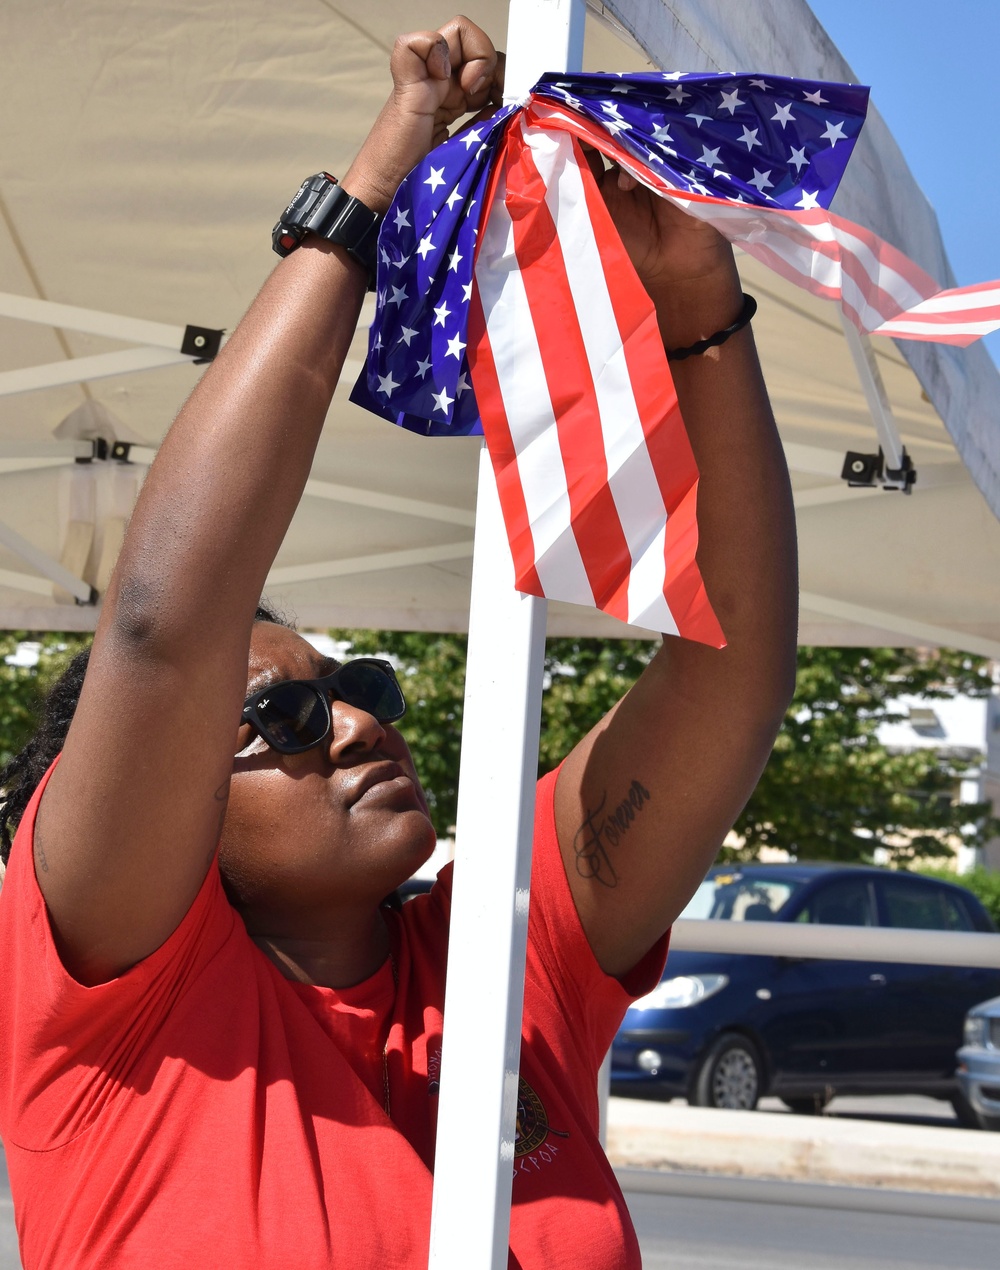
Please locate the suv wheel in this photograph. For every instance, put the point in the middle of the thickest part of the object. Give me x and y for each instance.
(808, 1104)
(965, 1113)
(730, 1075)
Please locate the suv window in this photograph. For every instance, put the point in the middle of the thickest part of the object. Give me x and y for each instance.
(847, 902)
(922, 906)
(738, 898)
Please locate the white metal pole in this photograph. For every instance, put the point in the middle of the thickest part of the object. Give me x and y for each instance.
(802, 941)
(66, 451)
(603, 1093)
(70, 318)
(542, 35)
(917, 632)
(52, 569)
(875, 393)
(470, 1214)
(78, 370)
(481, 1045)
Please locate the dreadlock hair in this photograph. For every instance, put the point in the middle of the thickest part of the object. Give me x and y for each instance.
(21, 777)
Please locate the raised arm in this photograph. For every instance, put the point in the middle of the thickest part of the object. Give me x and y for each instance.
(683, 750)
(132, 814)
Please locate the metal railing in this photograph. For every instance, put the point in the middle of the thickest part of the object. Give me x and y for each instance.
(837, 943)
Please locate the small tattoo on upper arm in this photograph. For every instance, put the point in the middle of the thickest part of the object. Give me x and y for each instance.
(600, 831)
(221, 795)
(40, 861)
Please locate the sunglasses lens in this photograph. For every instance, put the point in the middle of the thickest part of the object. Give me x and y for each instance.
(368, 687)
(293, 716)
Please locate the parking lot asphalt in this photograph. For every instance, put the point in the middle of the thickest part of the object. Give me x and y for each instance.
(919, 1153)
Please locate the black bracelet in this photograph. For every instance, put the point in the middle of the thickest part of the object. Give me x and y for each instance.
(720, 337)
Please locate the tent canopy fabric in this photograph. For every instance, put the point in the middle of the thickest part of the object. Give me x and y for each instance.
(149, 150)
(784, 37)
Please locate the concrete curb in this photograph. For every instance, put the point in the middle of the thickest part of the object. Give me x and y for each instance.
(677, 1138)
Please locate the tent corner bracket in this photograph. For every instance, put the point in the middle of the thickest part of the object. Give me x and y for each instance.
(202, 343)
(862, 471)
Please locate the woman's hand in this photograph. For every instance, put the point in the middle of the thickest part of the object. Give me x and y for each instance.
(437, 77)
(686, 266)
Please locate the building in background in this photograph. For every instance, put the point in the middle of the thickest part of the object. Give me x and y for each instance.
(990, 780)
(963, 729)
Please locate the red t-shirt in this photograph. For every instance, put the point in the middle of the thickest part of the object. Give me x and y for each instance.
(201, 1110)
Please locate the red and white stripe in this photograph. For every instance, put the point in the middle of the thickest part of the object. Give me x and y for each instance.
(880, 289)
(596, 476)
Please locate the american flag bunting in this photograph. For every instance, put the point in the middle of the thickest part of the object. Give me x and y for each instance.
(506, 305)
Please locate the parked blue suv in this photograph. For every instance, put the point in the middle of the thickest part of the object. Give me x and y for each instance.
(723, 1029)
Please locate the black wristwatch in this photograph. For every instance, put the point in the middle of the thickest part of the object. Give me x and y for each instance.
(323, 207)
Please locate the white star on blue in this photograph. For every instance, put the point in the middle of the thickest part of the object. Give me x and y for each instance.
(418, 339)
(743, 123)
(728, 135)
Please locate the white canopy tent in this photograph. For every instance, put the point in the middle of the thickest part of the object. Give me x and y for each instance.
(151, 150)
(147, 152)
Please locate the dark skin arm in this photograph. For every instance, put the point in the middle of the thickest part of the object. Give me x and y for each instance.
(686, 746)
(131, 817)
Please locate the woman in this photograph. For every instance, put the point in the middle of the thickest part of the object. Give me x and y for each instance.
(238, 1065)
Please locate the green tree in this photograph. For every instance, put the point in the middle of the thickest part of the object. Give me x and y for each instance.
(830, 791)
(22, 687)
(983, 883)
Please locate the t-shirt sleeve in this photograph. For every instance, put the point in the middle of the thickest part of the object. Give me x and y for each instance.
(561, 963)
(66, 1048)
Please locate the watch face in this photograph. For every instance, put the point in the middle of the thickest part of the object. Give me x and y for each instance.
(304, 196)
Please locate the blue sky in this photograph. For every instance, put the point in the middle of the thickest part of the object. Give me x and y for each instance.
(932, 68)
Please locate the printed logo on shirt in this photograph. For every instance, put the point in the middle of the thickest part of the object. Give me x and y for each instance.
(533, 1130)
(433, 1073)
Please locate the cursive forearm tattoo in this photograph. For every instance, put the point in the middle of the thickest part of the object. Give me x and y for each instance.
(602, 831)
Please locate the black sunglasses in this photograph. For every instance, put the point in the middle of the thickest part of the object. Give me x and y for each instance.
(294, 715)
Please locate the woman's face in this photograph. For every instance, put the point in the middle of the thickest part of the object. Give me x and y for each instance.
(307, 836)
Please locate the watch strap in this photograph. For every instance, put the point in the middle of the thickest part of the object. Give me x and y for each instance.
(323, 207)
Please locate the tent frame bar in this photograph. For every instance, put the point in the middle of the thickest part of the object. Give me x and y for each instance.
(68, 317)
(920, 633)
(161, 344)
(81, 591)
(863, 354)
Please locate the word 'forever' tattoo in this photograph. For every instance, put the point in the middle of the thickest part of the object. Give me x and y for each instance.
(600, 831)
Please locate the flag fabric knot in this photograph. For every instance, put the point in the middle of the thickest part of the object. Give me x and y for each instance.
(506, 304)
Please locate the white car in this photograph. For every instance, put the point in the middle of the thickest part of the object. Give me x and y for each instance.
(979, 1063)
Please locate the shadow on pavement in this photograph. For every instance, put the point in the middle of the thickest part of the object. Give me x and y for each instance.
(891, 1109)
